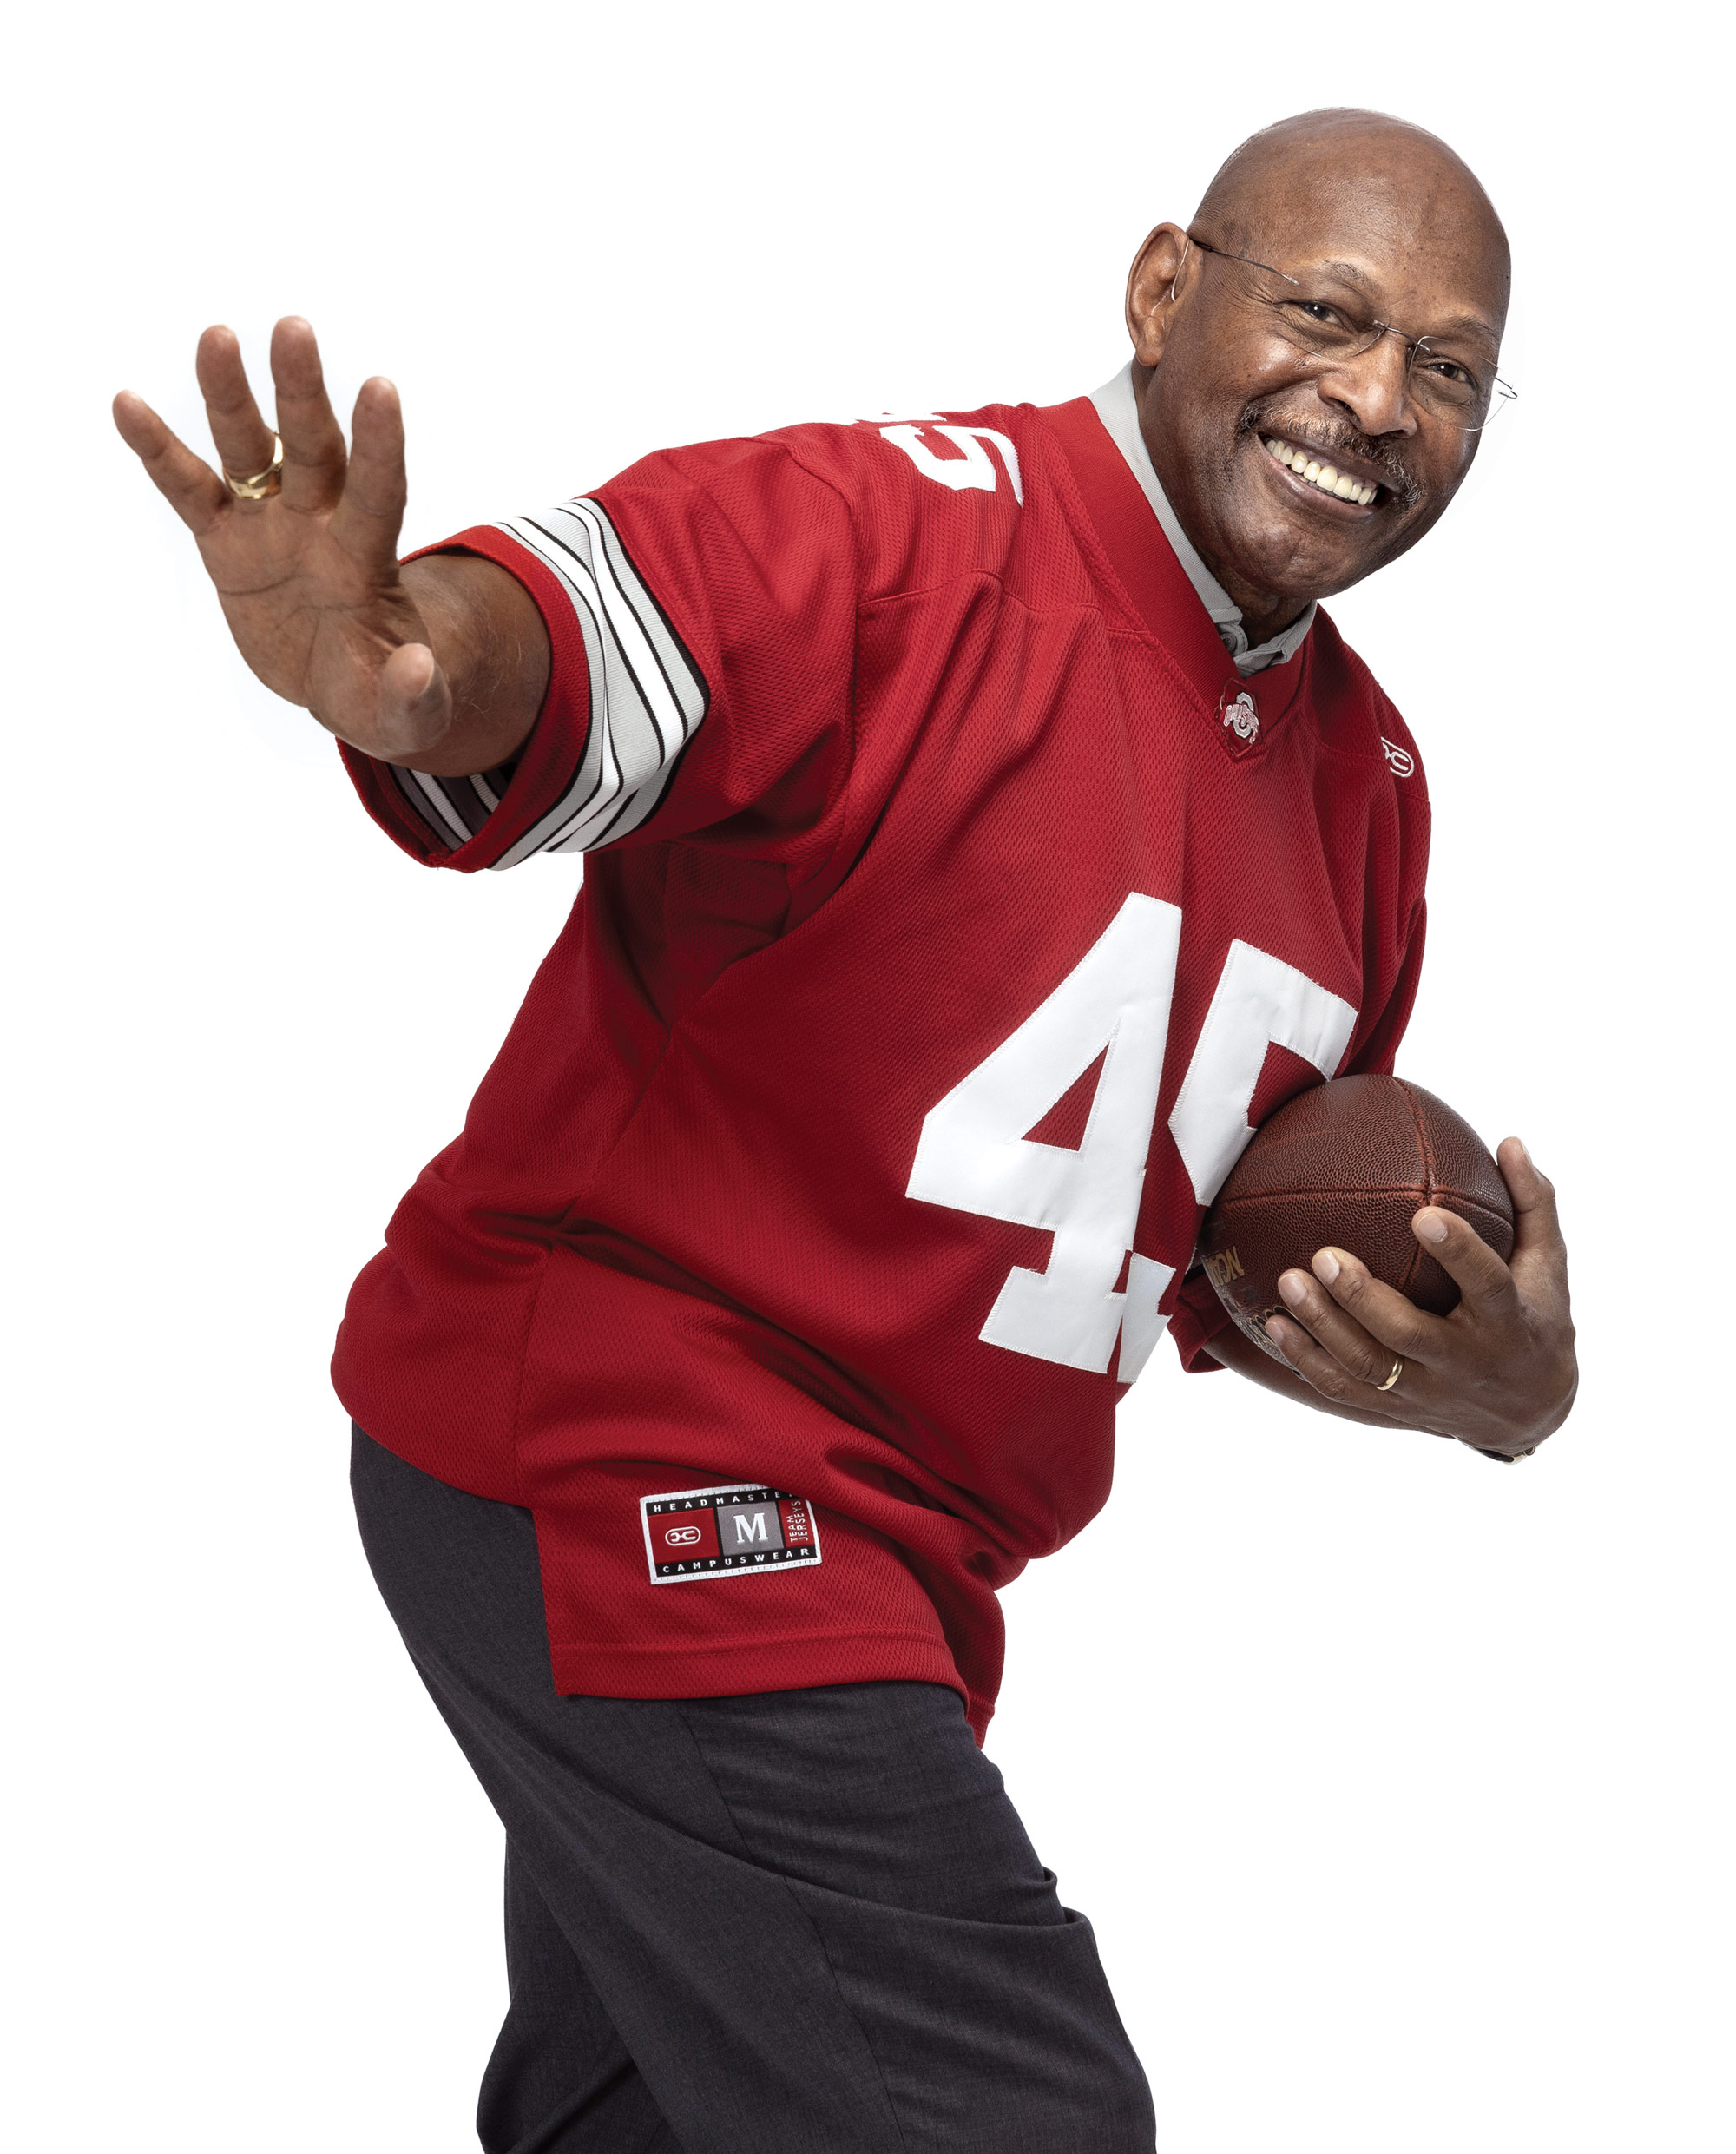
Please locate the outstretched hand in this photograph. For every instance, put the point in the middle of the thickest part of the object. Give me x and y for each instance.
(1498, 1373)
(308, 578)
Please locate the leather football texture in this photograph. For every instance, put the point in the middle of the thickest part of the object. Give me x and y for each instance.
(1350, 1164)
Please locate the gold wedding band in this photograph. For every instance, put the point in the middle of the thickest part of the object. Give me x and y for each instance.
(262, 484)
(1398, 1371)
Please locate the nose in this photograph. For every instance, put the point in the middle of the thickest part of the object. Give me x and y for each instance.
(1373, 388)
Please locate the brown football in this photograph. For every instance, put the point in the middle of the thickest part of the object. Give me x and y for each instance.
(1351, 1162)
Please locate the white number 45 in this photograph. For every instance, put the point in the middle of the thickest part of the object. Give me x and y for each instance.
(974, 1155)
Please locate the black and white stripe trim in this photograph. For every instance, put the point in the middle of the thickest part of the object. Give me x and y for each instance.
(455, 808)
(648, 698)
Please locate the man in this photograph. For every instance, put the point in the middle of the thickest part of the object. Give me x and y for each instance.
(987, 831)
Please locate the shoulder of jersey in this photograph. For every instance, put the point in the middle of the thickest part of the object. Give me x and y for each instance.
(930, 492)
(1359, 717)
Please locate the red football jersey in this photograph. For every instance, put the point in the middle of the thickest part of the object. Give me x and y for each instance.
(955, 909)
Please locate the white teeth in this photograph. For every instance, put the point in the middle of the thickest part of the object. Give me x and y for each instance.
(1326, 476)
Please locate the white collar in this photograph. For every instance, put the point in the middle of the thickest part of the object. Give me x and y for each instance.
(1118, 407)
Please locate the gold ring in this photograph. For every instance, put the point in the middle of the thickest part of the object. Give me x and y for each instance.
(1398, 1371)
(262, 484)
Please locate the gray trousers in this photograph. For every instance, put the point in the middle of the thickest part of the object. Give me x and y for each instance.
(792, 1922)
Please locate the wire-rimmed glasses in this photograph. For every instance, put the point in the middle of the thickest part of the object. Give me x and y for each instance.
(1458, 391)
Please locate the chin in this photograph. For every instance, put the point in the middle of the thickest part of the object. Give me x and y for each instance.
(1273, 554)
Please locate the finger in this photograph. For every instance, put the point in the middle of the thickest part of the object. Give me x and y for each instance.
(1533, 1193)
(1361, 1322)
(186, 481)
(1486, 1285)
(244, 441)
(366, 520)
(1540, 1256)
(1323, 1372)
(313, 458)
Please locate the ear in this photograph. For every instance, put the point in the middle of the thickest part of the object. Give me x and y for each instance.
(1150, 281)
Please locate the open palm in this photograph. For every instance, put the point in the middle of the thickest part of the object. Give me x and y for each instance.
(308, 578)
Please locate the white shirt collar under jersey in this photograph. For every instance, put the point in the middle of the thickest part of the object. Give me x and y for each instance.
(1118, 408)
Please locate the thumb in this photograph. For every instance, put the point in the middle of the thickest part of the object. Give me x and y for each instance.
(415, 702)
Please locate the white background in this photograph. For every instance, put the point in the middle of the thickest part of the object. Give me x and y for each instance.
(1397, 1783)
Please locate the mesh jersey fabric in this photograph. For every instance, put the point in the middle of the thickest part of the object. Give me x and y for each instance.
(920, 796)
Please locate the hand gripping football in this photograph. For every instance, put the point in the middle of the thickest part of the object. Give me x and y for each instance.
(1350, 1164)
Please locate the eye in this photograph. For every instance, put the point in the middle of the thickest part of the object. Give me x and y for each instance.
(1317, 314)
(1450, 372)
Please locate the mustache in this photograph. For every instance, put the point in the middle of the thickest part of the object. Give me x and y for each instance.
(1333, 441)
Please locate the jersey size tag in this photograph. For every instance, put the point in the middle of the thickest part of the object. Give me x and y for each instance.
(745, 1530)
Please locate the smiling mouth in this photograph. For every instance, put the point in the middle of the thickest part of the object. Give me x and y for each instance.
(1327, 478)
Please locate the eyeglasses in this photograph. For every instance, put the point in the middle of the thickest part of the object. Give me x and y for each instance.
(1457, 391)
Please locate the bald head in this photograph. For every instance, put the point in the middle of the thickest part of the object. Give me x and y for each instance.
(1322, 169)
(1276, 335)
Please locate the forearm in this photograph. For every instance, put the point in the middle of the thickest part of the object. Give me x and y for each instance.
(489, 640)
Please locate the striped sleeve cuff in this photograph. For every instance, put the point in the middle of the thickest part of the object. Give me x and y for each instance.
(455, 809)
(625, 697)
(648, 698)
